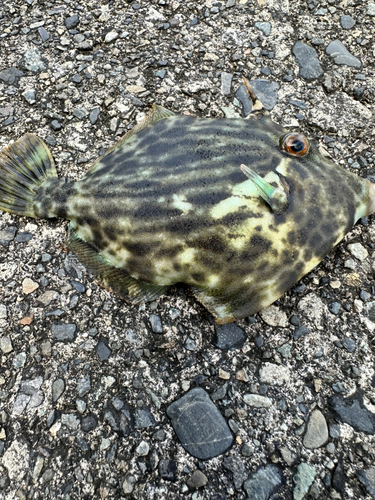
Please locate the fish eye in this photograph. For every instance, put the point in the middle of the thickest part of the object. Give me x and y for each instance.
(295, 144)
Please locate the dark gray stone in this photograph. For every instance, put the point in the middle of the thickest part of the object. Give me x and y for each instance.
(43, 33)
(244, 98)
(298, 104)
(300, 332)
(334, 307)
(365, 296)
(229, 336)
(55, 125)
(63, 332)
(76, 78)
(23, 237)
(168, 470)
(341, 55)
(78, 286)
(220, 393)
(226, 83)
(29, 96)
(308, 62)
(72, 22)
(353, 412)
(237, 468)
(317, 430)
(339, 477)
(266, 92)
(367, 478)
(334, 430)
(58, 388)
(144, 418)
(80, 113)
(89, 422)
(7, 235)
(263, 483)
(4, 482)
(349, 344)
(121, 421)
(155, 322)
(197, 480)
(199, 425)
(11, 76)
(94, 115)
(84, 386)
(102, 350)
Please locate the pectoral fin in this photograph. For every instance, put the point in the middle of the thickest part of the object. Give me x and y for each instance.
(276, 198)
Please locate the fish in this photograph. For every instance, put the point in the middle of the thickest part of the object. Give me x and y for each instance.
(238, 209)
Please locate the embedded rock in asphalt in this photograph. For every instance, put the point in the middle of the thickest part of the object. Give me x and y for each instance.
(63, 332)
(16, 459)
(303, 480)
(229, 336)
(7, 235)
(244, 98)
(341, 55)
(266, 92)
(263, 483)
(33, 61)
(273, 374)
(226, 82)
(317, 431)
(237, 468)
(273, 316)
(199, 425)
(367, 478)
(353, 412)
(257, 400)
(308, 62)
(11, 76)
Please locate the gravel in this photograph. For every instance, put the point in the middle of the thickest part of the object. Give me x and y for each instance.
(87, 381)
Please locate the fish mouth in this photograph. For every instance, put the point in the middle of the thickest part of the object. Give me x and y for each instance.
(372, 198)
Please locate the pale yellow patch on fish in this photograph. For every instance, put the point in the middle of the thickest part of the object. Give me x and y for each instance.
(228, 206)
(179, 202)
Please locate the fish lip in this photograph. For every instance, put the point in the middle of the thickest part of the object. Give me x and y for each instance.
(372, 197)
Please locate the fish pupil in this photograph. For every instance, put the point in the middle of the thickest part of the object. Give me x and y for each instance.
(297, 146)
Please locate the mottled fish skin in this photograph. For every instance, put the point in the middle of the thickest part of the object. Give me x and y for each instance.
(171, 204)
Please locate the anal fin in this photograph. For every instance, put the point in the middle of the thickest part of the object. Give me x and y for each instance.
(118, 280)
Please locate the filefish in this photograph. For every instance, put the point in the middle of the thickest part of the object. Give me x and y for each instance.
(239, 209)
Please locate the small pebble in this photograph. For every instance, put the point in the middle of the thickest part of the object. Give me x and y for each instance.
(197, 480)
(72, 22)
(317, 431)
(347, 22)
(308, 61)
(102, 350)
(155, 322)
(229, 336)
(341, 55)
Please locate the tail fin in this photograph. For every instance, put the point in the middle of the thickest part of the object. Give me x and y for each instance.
(24, 166)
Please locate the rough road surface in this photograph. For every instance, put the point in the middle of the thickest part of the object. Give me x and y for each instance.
(283, 403)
